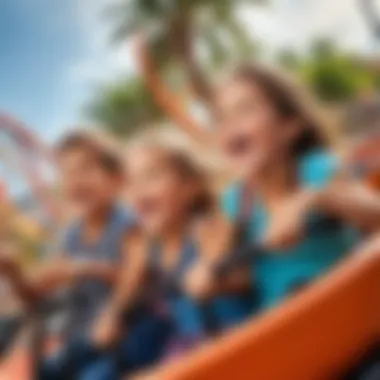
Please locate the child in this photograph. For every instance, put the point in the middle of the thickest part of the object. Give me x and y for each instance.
(274, 143)
(252, 106)
(90, 253)
(180, 231)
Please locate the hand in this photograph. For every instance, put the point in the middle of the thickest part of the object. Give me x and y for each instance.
(287, 227)
(199, 281)
(141, 51)
(106, 330)
(214, 235)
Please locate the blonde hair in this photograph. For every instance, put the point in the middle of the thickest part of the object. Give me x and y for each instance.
(188, 160)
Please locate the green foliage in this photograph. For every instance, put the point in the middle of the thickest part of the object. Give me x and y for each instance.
(123, 107)
(333, 74)
(376, 81)
(334, 79)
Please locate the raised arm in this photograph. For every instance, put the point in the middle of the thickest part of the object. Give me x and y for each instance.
(167, 100)
(352, 201)
(342, 199)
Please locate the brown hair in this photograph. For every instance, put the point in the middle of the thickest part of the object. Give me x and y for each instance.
(187, 162)
(104, 151)
(288, 101)
(204, 201)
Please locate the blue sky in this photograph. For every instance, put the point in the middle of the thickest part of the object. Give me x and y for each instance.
(54, 51)
(50, 60)
(38, 41)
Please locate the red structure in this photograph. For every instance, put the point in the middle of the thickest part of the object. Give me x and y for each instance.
(32, 152)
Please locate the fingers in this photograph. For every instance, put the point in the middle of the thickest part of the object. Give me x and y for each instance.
(106, 331)
(199, 282)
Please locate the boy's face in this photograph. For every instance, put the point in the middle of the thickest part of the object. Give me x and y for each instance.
(86, 185)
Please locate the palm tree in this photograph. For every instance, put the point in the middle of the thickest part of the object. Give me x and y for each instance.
(178, 27)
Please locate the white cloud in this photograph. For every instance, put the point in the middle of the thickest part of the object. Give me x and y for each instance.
(293, 23)
(101, 58)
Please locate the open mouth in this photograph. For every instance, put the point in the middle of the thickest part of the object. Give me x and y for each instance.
(239, 146)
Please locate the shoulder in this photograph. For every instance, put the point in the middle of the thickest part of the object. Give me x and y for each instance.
(318, 168)
(65, 238)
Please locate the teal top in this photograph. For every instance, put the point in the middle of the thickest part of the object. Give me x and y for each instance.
(277, 274)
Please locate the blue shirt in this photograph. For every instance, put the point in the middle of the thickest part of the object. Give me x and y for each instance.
(89, 296)
(277, 274)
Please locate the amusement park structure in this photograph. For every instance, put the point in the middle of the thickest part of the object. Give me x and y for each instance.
(32, 153)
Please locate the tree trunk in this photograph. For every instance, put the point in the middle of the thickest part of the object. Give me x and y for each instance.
(183, 47)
